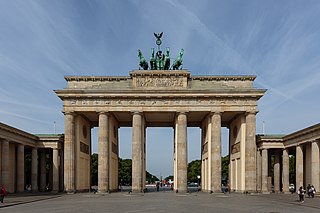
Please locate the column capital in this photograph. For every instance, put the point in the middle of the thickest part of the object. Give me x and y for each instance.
(136, 112)
(215, 112)
(103, 112)
(250, 112)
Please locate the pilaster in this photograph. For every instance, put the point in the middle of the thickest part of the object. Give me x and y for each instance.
(299, 166)
(276, 172)
(250, 152)
(315, 165)
(5, 165)
(34, 170)
(55, 170)
(264, 171)
(285, 171)
(20, 168)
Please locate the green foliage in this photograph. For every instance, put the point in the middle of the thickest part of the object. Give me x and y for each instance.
(292, 174)
(194, 170)
(94, 169)
(225, 167)
(170, 177)
(125, 171)
(151, 178)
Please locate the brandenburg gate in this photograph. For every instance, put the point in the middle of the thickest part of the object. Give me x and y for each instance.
(163, 96)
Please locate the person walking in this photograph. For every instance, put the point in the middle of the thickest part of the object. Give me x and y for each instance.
(3, 193)
(301, 192)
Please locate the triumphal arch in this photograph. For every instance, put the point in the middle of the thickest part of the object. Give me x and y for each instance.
(153, 96)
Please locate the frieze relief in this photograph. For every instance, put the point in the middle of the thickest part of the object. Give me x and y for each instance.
(159, 102)
(235, 148)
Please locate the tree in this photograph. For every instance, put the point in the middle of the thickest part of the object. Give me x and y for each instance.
(125, 171)
(194, 170)
(94, 169)
(225, 167)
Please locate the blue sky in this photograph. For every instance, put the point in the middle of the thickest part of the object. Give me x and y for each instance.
(276, 40)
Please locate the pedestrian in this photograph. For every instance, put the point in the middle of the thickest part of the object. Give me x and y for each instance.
(313, 191)
(3, 193)
(301, 192)
(309, 190)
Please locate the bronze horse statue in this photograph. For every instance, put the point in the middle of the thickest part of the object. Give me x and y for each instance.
(142, 63)
(178, 62)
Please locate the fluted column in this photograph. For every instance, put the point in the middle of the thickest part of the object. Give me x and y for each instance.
(34, 170)
(69, 156)
(4, 163)
(43, 178)
(103, 153)
(315, 165)
(216, 152)
(264, 170)
(182, 156)
(276, 172)
(299, 166)
(55, 170)
(137, 145)
(285, 171)
(250, 153)
(20, 168)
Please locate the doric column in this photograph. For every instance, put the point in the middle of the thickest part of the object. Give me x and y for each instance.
(20, 168)
(299, 166)
(259, 170)
(5, 164)
(137, 144)
(264, 170)
(69, 156)
(215, 152)
(43, 176)
(55, 170)
(103, 153)
(276, 172)
(182, 157)
(315, 165)
(250, 153)
(285, 171)
(34, 170)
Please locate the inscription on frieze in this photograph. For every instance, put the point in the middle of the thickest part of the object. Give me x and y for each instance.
(159, 82)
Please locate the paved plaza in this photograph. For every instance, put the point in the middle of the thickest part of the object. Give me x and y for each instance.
(163, 201)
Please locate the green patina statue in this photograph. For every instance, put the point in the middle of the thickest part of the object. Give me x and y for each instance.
(178, 62)
(160, 61)
(142, 63)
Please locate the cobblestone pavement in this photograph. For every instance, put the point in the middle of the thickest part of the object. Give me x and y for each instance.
(163, 201)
